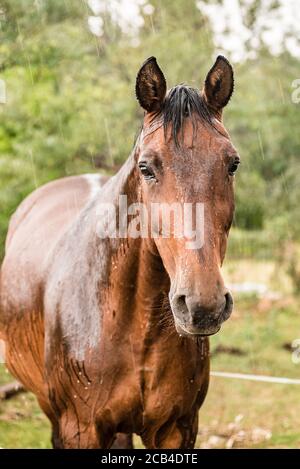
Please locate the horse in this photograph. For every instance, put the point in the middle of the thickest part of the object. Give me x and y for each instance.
(110, 332)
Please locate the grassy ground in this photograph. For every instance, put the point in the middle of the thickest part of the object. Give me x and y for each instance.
(236, 413)
(252, 414)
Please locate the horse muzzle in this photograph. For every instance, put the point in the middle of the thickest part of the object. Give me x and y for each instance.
(193, 317)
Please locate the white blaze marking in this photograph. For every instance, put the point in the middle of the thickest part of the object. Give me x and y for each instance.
(2, 351)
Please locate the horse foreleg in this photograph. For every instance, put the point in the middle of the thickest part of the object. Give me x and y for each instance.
(55, 438)
(174, 434)
(73, 433)
(122, 441)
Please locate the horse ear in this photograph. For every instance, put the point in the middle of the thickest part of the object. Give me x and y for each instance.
(150, 87)
(218, 86)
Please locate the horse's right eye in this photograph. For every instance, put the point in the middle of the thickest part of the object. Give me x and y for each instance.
(146, 171)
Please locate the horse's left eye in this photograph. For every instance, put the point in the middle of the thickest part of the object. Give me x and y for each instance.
(233, 166)
(146, 171)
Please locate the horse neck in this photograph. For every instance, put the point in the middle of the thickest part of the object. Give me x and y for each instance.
(139, 268)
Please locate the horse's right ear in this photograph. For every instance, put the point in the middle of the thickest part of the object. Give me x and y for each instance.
(151, 86)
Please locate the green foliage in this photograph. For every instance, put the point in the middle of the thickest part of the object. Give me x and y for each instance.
(263, 124)
(251, 244)
(250, 211)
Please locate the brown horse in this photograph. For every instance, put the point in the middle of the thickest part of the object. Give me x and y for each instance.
(110, 333)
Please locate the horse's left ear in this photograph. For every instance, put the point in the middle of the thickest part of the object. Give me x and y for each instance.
(218, 86)
(150, 87)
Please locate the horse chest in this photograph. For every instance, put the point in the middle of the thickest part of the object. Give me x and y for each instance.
(153, 388)
(174, 381)
(166, 384)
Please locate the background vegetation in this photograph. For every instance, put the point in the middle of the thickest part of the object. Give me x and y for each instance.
(71, 109)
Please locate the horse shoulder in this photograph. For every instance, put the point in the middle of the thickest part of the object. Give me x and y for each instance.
(36, 227)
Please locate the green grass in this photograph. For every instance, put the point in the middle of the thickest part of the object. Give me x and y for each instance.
(250, 244)
(22, 424)
(259, 330)
(235, 413)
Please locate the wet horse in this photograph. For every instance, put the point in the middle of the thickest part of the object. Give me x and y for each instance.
(110, 332)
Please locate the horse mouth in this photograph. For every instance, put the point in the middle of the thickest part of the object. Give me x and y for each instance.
(190, 332)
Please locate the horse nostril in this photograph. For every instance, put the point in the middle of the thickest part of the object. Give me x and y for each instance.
(228, 304)
(181, 303)
(179, 307)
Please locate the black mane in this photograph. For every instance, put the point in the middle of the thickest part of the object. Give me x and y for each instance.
(183, 102)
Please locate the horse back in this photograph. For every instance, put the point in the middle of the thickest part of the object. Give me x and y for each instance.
(36, 227)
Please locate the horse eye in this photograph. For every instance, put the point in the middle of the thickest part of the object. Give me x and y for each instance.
(233, 167)
(146, 171)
